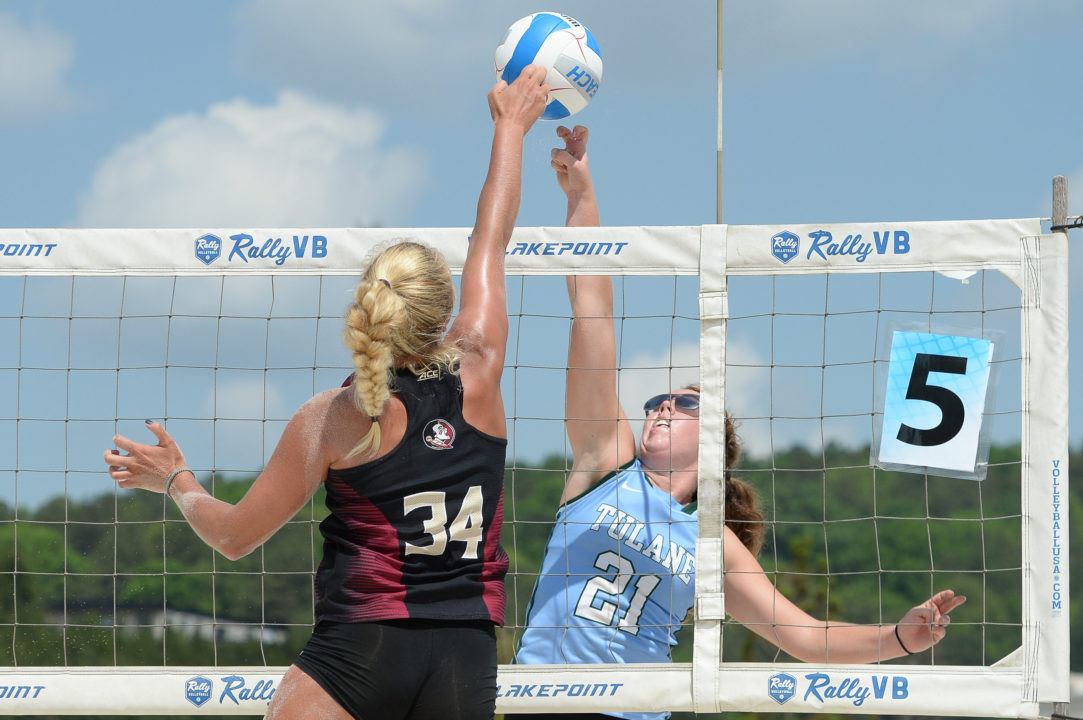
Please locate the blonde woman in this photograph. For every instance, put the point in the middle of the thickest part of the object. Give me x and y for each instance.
(412, 458)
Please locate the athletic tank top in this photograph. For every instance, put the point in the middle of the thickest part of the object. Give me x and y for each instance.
(416, 533)
(617, 580)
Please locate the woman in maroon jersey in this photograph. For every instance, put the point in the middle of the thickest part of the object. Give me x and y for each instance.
(412, 458)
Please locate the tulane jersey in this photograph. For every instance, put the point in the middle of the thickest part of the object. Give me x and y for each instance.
(617, 580)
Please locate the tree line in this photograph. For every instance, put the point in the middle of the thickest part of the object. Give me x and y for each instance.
(120, 579)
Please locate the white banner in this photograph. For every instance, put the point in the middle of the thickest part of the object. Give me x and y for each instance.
(794, 687)
(877, 246)
(752, 249)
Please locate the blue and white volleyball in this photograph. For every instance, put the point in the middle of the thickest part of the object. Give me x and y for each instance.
(566, 48)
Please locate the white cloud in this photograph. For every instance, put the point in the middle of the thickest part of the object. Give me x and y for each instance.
(644, 375)
(34, 60)
(297, 162)
(412, 50)
(748, 395)
(424, 56)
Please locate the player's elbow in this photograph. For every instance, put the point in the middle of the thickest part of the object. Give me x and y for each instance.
(234, 547)
(236, 552)
(805, 655)
(809, 646)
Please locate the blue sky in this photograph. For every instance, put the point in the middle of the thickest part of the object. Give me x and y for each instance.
(347, 112)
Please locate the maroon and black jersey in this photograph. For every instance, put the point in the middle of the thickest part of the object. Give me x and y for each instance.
(416, 533)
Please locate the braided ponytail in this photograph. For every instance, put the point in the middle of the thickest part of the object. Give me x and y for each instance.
(400, 311)
(370, 322)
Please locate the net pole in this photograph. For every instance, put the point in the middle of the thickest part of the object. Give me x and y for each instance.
(1060, 219)
(1060, 200)
(718, 145)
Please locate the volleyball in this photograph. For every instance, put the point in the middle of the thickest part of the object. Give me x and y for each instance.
(562, 45)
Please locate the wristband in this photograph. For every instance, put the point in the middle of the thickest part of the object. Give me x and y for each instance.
(173, 476)
(900, 640)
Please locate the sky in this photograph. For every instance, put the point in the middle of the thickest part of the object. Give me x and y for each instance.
(333, 113)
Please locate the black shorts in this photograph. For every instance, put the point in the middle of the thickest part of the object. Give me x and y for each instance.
(416, 669)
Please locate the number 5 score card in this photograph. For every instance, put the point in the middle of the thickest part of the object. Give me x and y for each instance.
(933, 402)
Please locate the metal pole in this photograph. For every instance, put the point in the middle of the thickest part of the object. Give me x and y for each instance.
(1060, 201)
(718, 149)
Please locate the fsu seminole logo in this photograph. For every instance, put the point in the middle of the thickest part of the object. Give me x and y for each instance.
(439, 435)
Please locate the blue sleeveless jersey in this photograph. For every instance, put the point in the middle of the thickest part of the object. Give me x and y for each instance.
(617, 579)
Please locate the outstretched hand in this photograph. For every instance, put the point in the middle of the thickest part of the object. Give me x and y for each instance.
(522, 102)
(145, 466)
(927, 624)
(570, 162)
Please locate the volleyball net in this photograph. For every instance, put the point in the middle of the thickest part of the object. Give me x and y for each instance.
(822, 342)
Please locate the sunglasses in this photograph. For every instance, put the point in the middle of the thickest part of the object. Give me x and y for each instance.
(685, 402)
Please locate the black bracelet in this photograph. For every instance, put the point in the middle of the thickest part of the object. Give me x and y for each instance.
(900, 640)
(173, 476)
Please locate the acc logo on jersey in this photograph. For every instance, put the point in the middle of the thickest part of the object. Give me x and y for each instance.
(784, 246)
(208, 248)
(439, 435)
(781, 687)
(197, 690)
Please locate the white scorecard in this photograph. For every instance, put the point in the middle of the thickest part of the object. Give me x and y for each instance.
(933, 401)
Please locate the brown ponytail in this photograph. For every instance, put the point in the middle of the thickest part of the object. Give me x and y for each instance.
(742, 511)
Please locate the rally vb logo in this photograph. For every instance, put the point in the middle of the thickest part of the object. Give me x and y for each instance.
(785, 246)
(244, 247)
(208, 248)
(781, 687)
(197, 690)
(831, 690)
(823, 244)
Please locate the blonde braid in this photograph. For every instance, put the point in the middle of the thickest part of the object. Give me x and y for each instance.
(399, 315)
(371, 323)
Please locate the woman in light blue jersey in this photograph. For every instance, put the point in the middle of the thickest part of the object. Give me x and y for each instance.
(618, 575)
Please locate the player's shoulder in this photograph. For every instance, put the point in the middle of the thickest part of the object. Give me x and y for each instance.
(332, 405)
(609, 484)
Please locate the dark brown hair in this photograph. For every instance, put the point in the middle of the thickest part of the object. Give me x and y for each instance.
(742, 512)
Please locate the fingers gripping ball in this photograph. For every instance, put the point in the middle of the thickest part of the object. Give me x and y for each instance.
(568, 51)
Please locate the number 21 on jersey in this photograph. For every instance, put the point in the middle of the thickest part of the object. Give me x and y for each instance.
(595, 603)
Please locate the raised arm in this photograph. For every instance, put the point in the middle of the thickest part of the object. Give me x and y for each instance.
(753, 600)
(601, 437)
(481, 328)
(294, 472)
